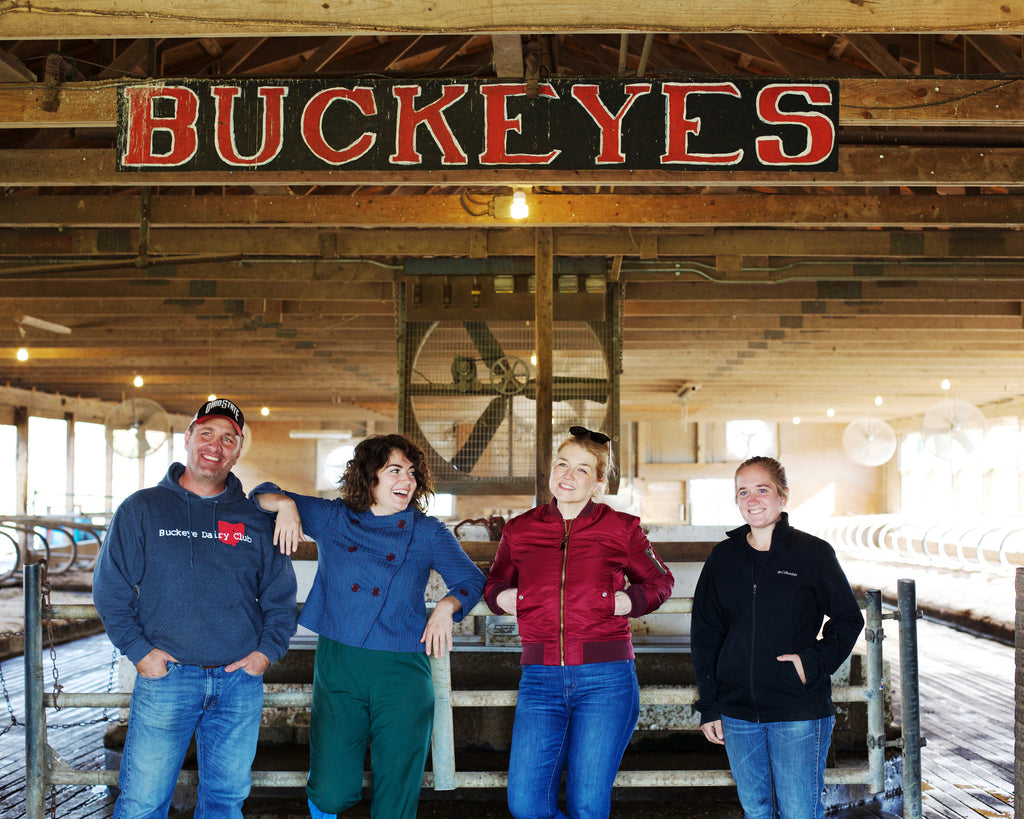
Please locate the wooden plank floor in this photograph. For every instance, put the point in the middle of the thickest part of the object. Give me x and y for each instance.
(966, 715)
(967, 718)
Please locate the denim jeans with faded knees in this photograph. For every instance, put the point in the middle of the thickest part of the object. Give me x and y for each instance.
(577, 718)
(222, 709)
(779, 767)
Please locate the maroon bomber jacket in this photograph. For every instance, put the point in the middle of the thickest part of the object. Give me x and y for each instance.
(567, 573)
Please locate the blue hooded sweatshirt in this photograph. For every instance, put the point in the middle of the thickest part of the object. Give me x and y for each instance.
(197, 576)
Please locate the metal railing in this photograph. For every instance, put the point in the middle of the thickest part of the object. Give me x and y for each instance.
(44, 768)
(56, 538)
(996, 546)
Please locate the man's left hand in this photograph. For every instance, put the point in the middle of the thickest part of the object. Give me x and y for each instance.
(253, 663)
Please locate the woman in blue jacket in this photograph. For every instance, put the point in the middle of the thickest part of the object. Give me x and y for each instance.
(371, 676)
(762, 669)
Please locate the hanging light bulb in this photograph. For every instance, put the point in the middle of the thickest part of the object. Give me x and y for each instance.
(944, 384)
(796, 420)
(878, 400)
(520, 210)
(137, 381)
(831, 413)
(265, 411)
(211, 397)
(22, 354)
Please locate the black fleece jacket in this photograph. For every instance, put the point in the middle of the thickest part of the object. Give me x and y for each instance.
(744, 618)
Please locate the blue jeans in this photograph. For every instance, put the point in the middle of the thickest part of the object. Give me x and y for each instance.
(779, 767)
(223, 711)
(576, 718)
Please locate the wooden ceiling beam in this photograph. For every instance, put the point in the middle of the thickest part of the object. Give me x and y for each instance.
(14, 70)
(864, 291)
(1003, 58)
(907, 166)
(875, 53)
(507, 56)
(892, 102)
(961, 285)
(672, 245)
(797, 308)
(132, 62)
(554, 210)
(65, 310)
(222, 18)
(769, 327)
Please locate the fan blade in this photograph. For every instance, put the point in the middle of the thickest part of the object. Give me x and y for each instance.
(484, 341)
(483, 430)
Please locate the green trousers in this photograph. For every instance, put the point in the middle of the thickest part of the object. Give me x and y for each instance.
(384, 699)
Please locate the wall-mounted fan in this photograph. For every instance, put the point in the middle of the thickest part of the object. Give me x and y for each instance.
(953, 427)
(137, 427)
(869, 441)
(468, 386)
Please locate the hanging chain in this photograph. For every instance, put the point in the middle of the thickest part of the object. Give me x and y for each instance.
(45, 586)
(7, 700)
(57, 686)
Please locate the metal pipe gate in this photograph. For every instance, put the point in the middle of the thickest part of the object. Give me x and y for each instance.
(44, 768)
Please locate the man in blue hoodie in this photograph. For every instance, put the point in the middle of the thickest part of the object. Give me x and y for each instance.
(191, 588)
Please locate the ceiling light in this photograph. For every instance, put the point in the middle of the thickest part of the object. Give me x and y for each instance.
(796, 420)
(41, 324)
(137, 381)
(878, 400)
(329, 434)
(944, 384)
(22, 354)
(831, 413)
(504, 206)
(211, 397)
(265, 411)
(520, 210)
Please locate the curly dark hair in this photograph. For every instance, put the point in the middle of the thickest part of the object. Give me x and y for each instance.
(370, 456)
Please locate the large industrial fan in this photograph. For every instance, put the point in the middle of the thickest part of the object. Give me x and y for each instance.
(469, 389)
(953, 427)
(137, 426)
(869, 441)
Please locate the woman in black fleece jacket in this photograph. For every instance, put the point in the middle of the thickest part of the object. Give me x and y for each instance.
(762, 669)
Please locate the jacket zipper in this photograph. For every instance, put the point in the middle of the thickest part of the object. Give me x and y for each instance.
(561, 594)
(753, 641)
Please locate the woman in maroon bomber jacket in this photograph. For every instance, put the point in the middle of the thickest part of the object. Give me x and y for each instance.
(562, 569)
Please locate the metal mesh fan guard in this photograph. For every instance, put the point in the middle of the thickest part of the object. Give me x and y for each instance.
(472, 393)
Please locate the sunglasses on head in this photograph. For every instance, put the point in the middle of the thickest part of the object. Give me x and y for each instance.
(583, 432)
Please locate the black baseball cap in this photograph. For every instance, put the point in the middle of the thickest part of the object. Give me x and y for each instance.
(221, 408)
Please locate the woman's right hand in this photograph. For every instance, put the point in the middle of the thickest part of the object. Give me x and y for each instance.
(713, 731)
(507, 600)
(288, 532)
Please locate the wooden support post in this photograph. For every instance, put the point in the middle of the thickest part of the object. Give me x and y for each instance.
(21, 467)
(544, 334)
(21, 475)
(69, 481)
